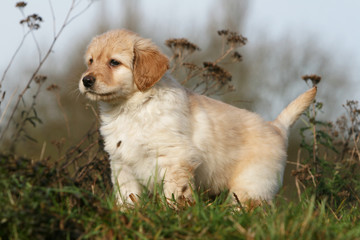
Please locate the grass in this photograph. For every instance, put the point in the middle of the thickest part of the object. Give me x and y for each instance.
(38, 202)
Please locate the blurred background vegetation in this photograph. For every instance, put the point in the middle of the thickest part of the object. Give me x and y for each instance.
(265, 81)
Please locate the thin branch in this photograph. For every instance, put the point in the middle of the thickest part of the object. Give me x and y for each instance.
(224, 55)
(37, 45)
(315, 143)
(27, 113)
(80, 13)
(65, 165)
(13, 57)
(58, 100)
(77, 147)
(8, 104)
(53, 17)
(297, 181)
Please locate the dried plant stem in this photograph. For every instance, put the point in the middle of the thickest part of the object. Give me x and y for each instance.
(297, 181)
(21, 95)
(8, 104)
(13, 57)
(26, 114)
(355, 137)
(179, 60)
(53, 17)
(315, 142)
(67, 164)
(356, 141)
(95, 114)
(35, 40)
(42, 153)
(58, 100)
(312, 177)
(224, 55)
(74, 149)
(188, 77)
(345, 147)
(37, 45)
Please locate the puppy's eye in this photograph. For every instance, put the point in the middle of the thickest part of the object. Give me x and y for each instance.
(91, 61)
(114, 63)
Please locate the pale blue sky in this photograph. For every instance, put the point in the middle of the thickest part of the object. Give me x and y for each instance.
(335, 23)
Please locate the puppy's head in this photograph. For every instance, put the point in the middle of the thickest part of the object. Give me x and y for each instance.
(121, 63)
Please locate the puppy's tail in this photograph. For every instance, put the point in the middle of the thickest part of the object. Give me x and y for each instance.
(293, 111)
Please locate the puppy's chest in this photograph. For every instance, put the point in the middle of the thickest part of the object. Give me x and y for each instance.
(128, 139)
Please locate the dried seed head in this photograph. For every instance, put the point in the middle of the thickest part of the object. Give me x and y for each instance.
(40, 79)
(236, 56)
(216, 72)
(352, 103)
(20, 4)
(190, 66)
(233, 38)
(32, 21)
(181, 44)
(53, 87)
(58, 143)
(36, 17)
(223, 32)
(231, 88)
(315, 79)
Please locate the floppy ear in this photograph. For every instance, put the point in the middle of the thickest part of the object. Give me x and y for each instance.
(149, 64)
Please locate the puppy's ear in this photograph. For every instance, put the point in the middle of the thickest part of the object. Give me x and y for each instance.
(149, 64)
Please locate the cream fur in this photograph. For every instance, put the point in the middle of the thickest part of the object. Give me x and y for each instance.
(156, 130)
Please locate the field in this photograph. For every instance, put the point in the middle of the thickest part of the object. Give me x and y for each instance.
(59, 187)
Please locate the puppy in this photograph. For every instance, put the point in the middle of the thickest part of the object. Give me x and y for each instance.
(156, 131)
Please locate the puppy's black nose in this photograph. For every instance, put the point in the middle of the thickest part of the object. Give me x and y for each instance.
(88, 81)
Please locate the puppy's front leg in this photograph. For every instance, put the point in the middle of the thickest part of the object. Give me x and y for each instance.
(178, 182)
(124, 184)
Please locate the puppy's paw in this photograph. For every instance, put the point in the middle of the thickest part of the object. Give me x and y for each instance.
(182, 195)
(245, 203)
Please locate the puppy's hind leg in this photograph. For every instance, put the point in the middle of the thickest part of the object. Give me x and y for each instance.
(257, 181)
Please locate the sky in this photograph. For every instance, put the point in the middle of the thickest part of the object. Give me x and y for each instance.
(334, 24)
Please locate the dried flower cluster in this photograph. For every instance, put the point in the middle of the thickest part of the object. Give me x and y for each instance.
(191, 66)
(32, 21)
(39, 79)
(233, 38)
(348, 127)
(181, 44)
(236, 56)
(315, 79)
(223, 32)
(353, 109)
(53, 87)
(303, 173)
(216, 72)
(20, 4)
(210, 78)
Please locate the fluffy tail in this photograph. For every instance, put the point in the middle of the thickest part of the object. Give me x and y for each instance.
(293, 111)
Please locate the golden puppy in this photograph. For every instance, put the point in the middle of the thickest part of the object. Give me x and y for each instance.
(155, 130)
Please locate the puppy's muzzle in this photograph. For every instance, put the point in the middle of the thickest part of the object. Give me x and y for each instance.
(88, 81)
